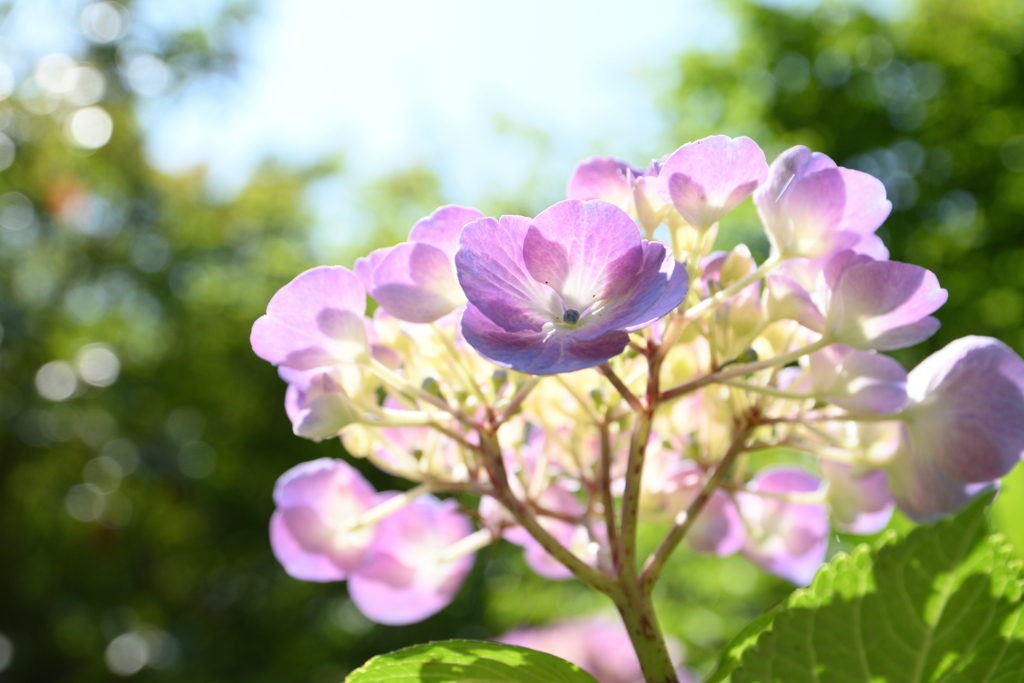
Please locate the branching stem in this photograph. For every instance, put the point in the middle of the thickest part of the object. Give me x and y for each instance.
(656, 562)
(744, 369)
(620, 387)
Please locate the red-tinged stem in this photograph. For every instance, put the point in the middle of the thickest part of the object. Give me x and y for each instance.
(620, 387)
(607, 500)
(522, 513)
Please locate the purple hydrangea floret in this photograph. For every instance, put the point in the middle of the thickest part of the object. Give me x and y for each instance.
(561, 292)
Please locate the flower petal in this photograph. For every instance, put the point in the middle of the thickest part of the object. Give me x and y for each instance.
(718, 528)
(537, 353)
(318, 503)
(884, 305)
(442, 228)
(416, 282)
(495, 279)
(300, 563)
(859, 501)
(921, 491)
(788, 300)
(656, 290)
(787, 539)
(313, 321)
(969, 417)
(858, 380)
(365, 265)
(708, 178)
(319, 410)
(585, 251)
(677, 283)
(604, 179)
(814, 208)
(407, 580)
(866, 207)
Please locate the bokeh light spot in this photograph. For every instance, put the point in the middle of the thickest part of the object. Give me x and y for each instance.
(6, 652)
(127, 654)
(90, 127)
(56, 381)
(84, 502)
(104, 473)
(98, 365)
(104, 22)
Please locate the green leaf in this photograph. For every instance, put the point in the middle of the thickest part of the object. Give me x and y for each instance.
(468, 660)
(943, 605)
(743, 641)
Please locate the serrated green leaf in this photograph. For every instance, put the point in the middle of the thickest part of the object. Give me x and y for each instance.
(744, 640)
(468, 660)
(942, 605)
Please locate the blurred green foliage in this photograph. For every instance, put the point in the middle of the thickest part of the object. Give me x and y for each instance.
(134, 515)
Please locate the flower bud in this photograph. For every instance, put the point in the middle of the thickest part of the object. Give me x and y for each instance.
(499, 378)
(431, 386)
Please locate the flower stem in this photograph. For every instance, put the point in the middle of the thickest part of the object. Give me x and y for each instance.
(518, 399)
(620, 387)
(607, 501)
(706, 305)
(745, 369)
(470, 544)
(656, 562)
(767, 391)
(521, 511)
(387, 375)
(637, 612)
(631, 495)
(391, 506)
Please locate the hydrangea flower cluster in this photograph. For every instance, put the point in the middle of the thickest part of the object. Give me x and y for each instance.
(561, 379)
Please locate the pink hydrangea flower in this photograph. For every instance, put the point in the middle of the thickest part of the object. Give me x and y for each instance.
(812, 208)
(632, 189)
(858, 301)
(967, 412)
(315, 321)
(860, 381)
(707, 179)
(313, 531)
(408, 578)
(880, 305)
(787, 539)
(316, 403)
(396, 568)
(964, 427)
(415, 281)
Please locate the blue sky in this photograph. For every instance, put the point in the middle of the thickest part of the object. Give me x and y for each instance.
(392, 83)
